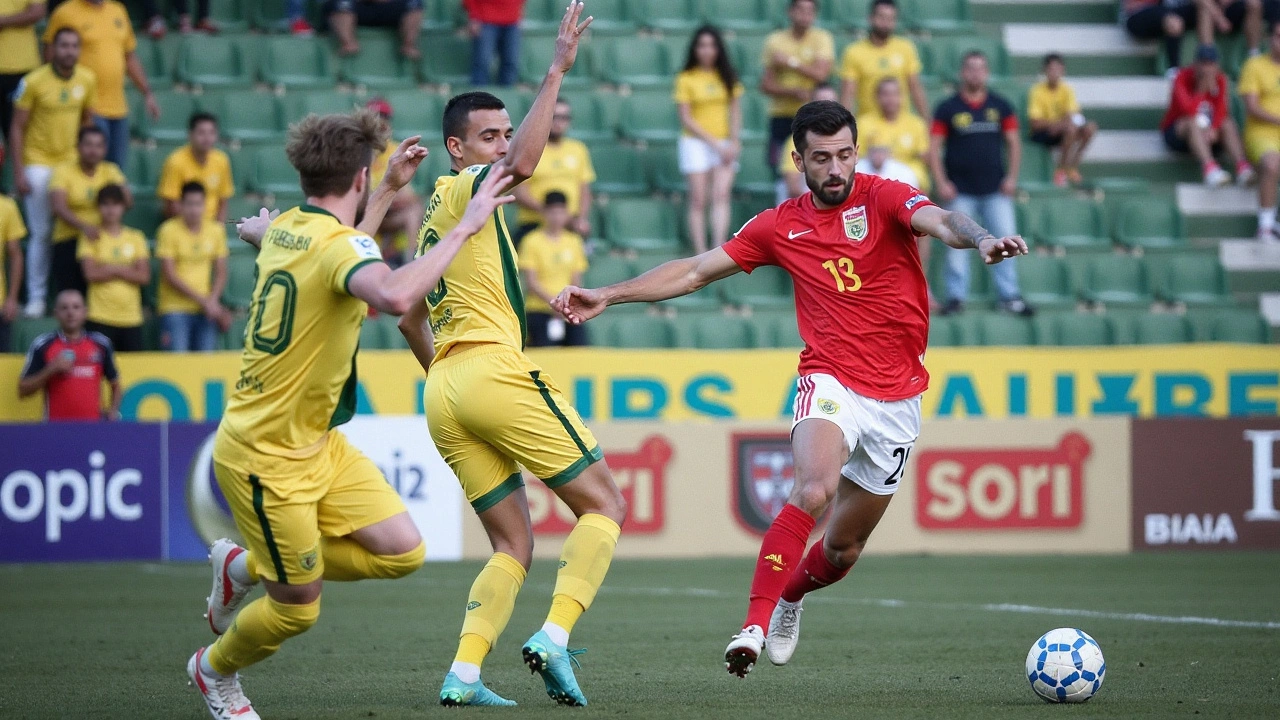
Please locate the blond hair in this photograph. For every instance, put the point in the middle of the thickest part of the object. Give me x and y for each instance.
(328, 150)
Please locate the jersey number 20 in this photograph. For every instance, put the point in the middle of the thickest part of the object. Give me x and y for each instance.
(279, 284)
(429, 239)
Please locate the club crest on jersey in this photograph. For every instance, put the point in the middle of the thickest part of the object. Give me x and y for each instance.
(855, 223)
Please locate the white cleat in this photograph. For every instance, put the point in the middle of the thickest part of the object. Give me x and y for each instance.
(227, 594)
(784, 631)
(1217, 177)
(222, 695)
(744, 650)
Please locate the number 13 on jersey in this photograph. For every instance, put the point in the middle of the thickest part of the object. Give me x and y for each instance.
(842, 271)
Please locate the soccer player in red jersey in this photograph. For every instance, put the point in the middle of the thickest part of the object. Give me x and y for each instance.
(863, 311)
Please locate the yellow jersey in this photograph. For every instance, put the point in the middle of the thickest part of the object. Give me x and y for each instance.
(19, 51)
(56, 105)
(181, 167)
(12, 229)
(1051, 104)
(867, 64)
(82, 193)
(378, 169)
(479, 299)
(785, 165)
(193, 254)
(565, 167)
(106, 36)
(1261, 76)
(906, 136)
(708, 100)
(554, 261)
(813, 46)
(115, 302)
(298, 369)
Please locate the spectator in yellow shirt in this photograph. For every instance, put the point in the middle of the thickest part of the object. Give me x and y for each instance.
(791, 184)
(50, 106)
(552, 257)
(198, 161)
(566, 168)
(109, 51)
(708, 98)
(1260, 88)
(12, 230)
(73, 193)
(890, 126)
(117, 266)
(796, 60)
(405, 215)
(193, 267)
(1056, 120)
(880, 55)
(19, 50)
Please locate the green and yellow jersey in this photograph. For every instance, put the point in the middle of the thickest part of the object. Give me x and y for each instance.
(479, 299)
(298, 372)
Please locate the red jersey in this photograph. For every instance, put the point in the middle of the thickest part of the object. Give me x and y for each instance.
(862, 302)
(1185, 100)
(494, 12)
(76, 394)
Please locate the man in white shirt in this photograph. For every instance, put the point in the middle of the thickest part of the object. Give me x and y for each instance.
(878, 162)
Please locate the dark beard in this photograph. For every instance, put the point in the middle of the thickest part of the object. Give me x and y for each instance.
(364, 204)
(832, 198)
(879, 35)
(555, 137)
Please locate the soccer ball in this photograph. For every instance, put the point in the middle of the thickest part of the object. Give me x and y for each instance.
(1066, 666)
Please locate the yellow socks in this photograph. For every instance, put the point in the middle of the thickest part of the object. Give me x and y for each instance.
(258, 631)
(489, 606)
(584, 562)
(345, 560)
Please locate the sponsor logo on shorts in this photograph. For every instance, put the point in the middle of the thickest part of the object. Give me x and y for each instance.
(473, 605)
(828, 407)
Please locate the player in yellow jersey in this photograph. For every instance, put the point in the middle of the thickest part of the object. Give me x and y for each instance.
(491, 410)
(309, 505)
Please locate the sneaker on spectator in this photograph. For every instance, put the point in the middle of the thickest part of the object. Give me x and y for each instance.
(1016, 306)
(1060, 178)
(208, 27)
(1074, 177)
(301, 28)
(1245, 175)
(952, 307)
(156, 28)
(1171, 73)
(1215, 176)
(1268, 237)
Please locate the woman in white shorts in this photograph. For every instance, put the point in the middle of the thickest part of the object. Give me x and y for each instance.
(708, 97)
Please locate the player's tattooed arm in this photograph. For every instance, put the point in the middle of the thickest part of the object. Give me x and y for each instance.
(964, 229)
(961, 231)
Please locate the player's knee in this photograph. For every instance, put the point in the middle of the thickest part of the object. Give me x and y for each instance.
(843, 554)
(390, 567)
(811, 497)
(293, 619)
(521, 549)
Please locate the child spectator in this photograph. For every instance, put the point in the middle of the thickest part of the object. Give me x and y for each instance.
(551, 258)
(117, 266)
(1056, 120)
(193, 268)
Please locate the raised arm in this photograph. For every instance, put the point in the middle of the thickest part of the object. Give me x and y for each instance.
(401, 166)
(960, 231)
(668, 280)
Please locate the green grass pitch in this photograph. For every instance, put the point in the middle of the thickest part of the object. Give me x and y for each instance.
(907, 637)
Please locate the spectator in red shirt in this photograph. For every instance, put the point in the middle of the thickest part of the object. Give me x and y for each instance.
(70, 365)
(1198, 122)
(495, 27)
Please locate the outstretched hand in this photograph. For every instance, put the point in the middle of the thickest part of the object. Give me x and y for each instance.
(487, 199)
(579, 305)
(251, 229)
(570, 33)
(994, 249)
(404, 163)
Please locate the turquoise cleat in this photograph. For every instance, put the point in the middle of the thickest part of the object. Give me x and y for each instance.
(555, 664)
(455, 693)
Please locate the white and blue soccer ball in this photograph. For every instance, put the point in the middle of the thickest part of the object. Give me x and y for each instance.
(1066, 666)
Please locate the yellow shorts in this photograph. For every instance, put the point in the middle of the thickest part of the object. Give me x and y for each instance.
(283, 507)
(1260, 141)
(490, 409)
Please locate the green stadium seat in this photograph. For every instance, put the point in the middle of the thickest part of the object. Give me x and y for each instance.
(996, 329)
(155, 63)
(1074, 330)
(241, 278)
(746, 50)
(1160, 329)
(379, 64)
(1035, 175)
(642, 225)
(445, 15)
(249, 117)
(142, 168)
(144, 215)
(446, 59)
(755, 175)
(739, 15)
(637, 62)
(612, 17)
(297, 63)
(600, 329)
(418, 113)
(702, 301)
(175, 110)
(785, 331)
(541, 17)
(680, 16)
(714, 331)
(1196, 279)
(642, 331)
(437, 165)
(25, 330)
(619, 170)
(755, 117)
(213, 61)
(948, 16)
(321, 102)
(1149, 223)
(1117, 280)
(267, 15)
(942, 332)
(233, 338)
(591, 121)
(845, 14)
(373, 334)
(229, 15)
(535, 60)
(1239, 326)
(663, 166)
(607, 270)
(947, 52)
(1072, 223)
(767, 288)
(1045, 282)
(651, 117)
(272, 173)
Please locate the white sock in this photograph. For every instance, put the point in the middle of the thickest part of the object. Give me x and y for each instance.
(1266, 219)
(239, 569)
(558, 635)
(466, 672)
(206, 668)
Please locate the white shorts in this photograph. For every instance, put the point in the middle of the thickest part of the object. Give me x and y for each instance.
(697, 156)
(879, 435)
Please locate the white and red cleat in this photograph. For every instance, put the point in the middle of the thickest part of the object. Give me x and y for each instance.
(744, 650)
(227, 594)
(222, 695)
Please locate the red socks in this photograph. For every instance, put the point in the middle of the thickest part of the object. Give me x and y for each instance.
(780, 555)
(814, 573)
